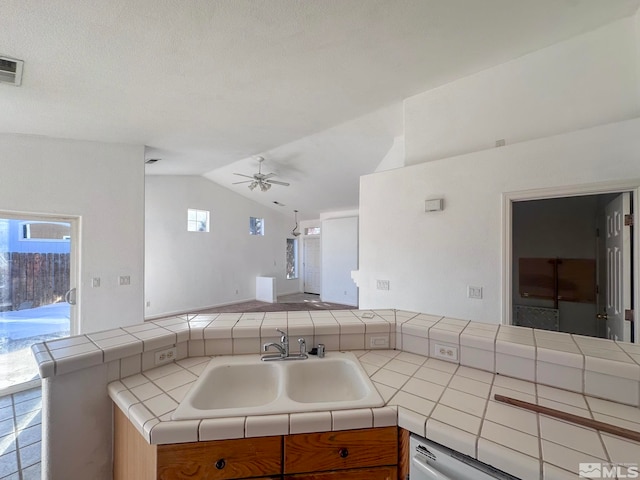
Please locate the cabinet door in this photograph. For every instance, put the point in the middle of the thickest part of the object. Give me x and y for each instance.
(221, 460)
(376, 473)
(326, 451)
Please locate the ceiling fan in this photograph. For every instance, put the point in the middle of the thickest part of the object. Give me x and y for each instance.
(262, 180)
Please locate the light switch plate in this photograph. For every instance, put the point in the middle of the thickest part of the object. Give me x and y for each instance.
(434, 205)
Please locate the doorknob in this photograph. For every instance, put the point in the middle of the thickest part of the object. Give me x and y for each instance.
(70, 296)
(602, 316)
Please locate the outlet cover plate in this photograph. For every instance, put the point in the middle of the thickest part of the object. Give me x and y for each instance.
(446, 352)
(379, 342)
(474, 292)
(165, 355)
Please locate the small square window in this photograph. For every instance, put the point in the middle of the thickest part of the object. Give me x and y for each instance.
(256, 226)
(312, 231)
(197, 220)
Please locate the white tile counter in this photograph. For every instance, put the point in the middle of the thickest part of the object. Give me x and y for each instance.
(449, 402)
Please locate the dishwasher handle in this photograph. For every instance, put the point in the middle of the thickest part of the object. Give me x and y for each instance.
(422, 469)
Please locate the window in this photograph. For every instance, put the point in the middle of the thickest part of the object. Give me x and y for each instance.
(292, 258)
(45, 231)
(312, 231)
(256, 226)
(197, 220)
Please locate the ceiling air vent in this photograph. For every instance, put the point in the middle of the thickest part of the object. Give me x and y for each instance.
(11, 71)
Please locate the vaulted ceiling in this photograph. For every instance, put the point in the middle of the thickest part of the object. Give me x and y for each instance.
(314, 86)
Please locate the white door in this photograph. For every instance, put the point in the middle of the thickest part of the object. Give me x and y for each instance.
(618, 247)
(38, 301)
(312, 265)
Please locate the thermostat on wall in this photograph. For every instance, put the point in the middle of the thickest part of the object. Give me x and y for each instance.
(434, 205)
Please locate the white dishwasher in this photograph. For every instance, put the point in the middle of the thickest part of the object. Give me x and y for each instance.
(432, 461)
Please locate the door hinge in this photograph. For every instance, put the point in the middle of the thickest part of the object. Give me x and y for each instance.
(628, 220)
(628, 315)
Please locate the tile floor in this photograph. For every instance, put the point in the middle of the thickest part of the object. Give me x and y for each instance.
(20, 435)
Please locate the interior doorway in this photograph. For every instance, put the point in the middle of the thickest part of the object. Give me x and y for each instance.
(312, 265)
(37, 275)
(570, 262)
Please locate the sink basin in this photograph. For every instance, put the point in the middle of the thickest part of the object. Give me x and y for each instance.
(243, 385)
(328, 380)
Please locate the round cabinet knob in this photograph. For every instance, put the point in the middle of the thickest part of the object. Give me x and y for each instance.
(343, 452)
(220, 464)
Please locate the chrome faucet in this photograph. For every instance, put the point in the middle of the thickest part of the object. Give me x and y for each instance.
(283, 348)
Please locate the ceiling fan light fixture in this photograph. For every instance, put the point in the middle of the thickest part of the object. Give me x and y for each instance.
(262, 180)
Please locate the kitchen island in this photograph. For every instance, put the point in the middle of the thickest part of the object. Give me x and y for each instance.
(448, 401)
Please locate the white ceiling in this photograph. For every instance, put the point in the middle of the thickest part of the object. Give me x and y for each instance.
(314, 86)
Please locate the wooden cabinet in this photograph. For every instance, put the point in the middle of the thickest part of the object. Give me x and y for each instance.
(221, 460)
(135, 459)
(341, 450)
(375, 473)
(367, 454)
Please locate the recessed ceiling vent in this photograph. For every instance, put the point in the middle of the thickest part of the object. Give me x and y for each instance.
(11, 71)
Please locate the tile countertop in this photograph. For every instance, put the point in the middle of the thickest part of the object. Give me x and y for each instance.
(448, 403)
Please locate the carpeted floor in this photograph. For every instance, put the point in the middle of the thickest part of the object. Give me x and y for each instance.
(286, 303)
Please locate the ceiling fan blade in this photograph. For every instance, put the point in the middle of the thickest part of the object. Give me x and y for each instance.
(243, 175)
(246, 181)
(277, 182)
(268, 175)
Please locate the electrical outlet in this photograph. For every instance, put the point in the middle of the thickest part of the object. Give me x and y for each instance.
(148, 303)
(446, 352)
(382, 284)
(379, 342)
(474, 292)
(95, 282)
(165, 356)
(124, 280)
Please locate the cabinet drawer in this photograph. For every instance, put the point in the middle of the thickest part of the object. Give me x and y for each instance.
(219, 460)
(318, 452)
(375, 473)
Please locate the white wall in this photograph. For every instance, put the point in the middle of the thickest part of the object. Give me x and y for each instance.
(395, 157)
(430, 258)
(569, 115)
(187, 271)
(586, 81)
(339, 247)
(104, 185)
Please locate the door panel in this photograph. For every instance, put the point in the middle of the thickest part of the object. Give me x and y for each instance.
(312, 266)
(618, 268)
(37, 271)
